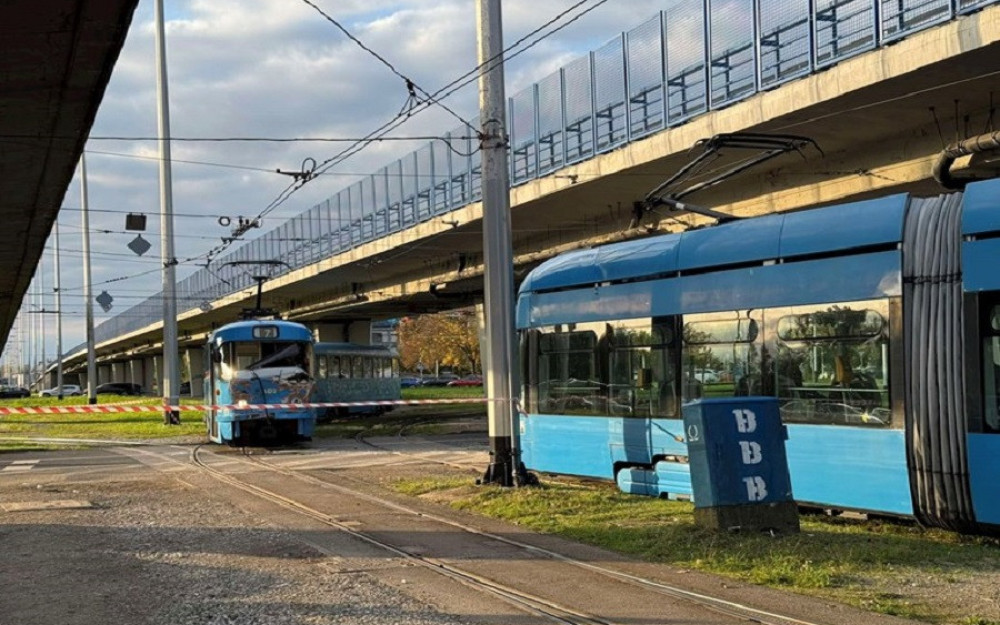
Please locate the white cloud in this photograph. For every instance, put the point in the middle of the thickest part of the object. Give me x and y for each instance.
(277, 68)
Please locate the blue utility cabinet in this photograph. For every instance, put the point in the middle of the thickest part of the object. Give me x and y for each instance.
(739, 472)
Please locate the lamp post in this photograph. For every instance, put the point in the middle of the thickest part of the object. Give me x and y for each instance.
(171, 369)
(89, 301)
(56, 280)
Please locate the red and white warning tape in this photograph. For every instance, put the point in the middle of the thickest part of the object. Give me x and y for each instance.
(111, 408)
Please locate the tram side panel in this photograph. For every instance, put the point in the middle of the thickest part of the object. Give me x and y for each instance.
(981, 287)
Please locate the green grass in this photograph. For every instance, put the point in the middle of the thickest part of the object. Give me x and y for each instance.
(850, 560)
(425, 419)
(111, 426)
(443, 392)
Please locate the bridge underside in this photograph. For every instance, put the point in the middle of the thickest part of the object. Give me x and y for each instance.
(881, 119)
(56, 59)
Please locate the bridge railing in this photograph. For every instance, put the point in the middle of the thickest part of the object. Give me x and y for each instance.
(697, 56)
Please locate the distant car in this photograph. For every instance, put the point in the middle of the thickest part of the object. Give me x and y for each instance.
(469, 380)
(8, 392)
(185, 388)
(706, 376)
(70, 390)
(409, 381)
(441, 380)
(119, 388)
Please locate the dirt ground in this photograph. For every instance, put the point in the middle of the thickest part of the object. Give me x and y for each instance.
(153, 547)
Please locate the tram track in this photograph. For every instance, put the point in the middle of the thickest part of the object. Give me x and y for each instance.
(362, 439)
(529, 602)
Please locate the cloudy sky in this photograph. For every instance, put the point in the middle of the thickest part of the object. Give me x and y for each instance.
(279, 69)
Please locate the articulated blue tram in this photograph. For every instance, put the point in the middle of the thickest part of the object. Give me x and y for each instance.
(875, 323)
(251, 363)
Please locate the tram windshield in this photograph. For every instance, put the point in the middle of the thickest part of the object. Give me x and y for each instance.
(254, 356)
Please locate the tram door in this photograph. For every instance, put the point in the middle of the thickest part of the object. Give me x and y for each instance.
(984, 437)
(211, 416)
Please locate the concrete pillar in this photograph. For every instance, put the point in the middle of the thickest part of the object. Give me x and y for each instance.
(358, 331)
(150, 379)
(104, 374)
(195, 359)
(118, 372)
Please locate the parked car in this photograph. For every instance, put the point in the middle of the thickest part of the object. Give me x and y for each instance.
(185, 388)
(469, 380)
(441, 380)
(8, 392)
(706, 376)
(70, 390)
(410, 381)
(119, 388)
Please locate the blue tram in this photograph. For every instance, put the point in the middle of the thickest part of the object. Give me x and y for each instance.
(875, 323)
(254, 364)
(350, 372)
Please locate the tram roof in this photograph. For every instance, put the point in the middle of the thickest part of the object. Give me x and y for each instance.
(244, 331)
(818, 231)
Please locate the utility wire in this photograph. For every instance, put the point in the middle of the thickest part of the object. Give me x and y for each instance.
(411, 86)
(379, 133)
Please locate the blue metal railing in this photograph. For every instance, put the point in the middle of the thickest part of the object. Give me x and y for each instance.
(685, 61)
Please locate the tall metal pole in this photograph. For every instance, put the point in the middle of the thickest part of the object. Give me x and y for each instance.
(170, 386)
(41, 297)
(87, 292)
(505, 465)
(31, 319)
(56, 286)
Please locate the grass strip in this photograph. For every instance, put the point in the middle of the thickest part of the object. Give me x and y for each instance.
(872, 564)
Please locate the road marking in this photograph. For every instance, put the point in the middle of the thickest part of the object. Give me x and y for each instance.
(59, 504)
(20, 465)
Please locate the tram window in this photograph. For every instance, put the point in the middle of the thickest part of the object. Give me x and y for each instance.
(324, 367)
(279, 354)
(722, 355)
(357, 367)
(568, 377)
(832, 364)
(991, 372)
(642, 370)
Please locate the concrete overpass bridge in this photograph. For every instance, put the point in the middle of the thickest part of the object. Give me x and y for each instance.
(55, 61)
(881, 85)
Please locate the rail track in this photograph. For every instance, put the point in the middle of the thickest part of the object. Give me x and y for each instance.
(527, 601)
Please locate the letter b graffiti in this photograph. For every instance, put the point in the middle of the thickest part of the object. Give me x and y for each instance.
(756, 488)
(751, 452)
(746, 421)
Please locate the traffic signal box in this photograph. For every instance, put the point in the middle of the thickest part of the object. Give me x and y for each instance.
(739, 472)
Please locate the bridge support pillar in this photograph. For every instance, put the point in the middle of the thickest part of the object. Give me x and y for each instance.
(117, 372)
(150, 374)
(194, 363)
(357, 331)
(133, 372)
(103, 374)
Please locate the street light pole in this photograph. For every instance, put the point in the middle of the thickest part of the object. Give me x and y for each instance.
(87, 292)
(56, 284)
(171, 369)
(505, 464)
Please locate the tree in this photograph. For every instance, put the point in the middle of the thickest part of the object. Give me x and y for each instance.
(449, 339)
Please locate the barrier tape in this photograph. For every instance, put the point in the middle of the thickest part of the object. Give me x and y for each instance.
(114, 408)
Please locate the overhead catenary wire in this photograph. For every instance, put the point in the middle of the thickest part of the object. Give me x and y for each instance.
(401, 117)
(373, 137)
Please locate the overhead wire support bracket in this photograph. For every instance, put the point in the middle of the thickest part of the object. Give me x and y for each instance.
(770, 146)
